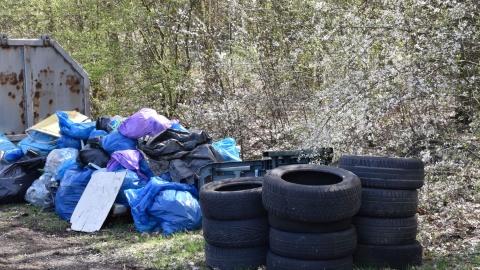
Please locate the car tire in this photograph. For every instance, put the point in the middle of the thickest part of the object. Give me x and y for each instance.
(232, 199)
(311, 193)
(288, 225)
(385, 172)
(313, 246)
(388, 203)
(236, 233)
(277, 262)
(235, 258)
(382, 162)
(385, 231)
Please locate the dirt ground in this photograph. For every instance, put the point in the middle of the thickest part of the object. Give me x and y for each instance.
(26, 245)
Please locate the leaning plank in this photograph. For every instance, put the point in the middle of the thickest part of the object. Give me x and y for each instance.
(96, 201)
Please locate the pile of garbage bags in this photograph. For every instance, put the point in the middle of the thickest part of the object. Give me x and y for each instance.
(160, 158)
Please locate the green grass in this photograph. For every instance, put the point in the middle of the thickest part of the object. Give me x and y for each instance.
(118, 237)
(177, 251)
(32, 217)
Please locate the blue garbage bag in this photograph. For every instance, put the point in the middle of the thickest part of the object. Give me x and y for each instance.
(97, 132)
(131, 181)
(13, 155)
(75, 130)
(177, 126)
(66, 164)
(70, 190)
(38, 141)
(161, 205)
(5, 143)
(66, 141)
(11, 152)
(115, 141)
(228, 149)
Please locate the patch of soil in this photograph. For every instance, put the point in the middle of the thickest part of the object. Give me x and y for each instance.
(25, 248)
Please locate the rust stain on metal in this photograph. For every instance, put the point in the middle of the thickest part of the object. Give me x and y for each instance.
(14, 96)
(23, 117)
(38, 85)
(74, 84)
(50, 102)
(10, 78)
(48, 115)
(20, 76)
(36, 104)
(20, 81)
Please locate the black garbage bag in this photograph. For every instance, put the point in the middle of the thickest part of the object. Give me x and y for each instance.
(93, 152)
(171, 141)
(157, 165)
(102, 124)
(4, 164)
(17, 177)
(183, 169)
(180, 153)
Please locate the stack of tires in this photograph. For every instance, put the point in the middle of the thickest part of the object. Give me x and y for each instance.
(235, 224)
(310, 208)
(386, 223)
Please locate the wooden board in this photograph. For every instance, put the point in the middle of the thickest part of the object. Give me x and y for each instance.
(96, 201)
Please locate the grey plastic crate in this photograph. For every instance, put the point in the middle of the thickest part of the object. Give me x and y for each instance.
(255, 168)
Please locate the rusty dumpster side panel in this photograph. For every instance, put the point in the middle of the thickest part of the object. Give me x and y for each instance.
(37, 77)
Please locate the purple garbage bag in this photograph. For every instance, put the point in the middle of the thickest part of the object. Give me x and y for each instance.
(144, 122)
(126, 159)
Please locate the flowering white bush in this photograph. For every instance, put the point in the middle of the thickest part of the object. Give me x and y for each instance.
(383, 77)
(394, 78)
